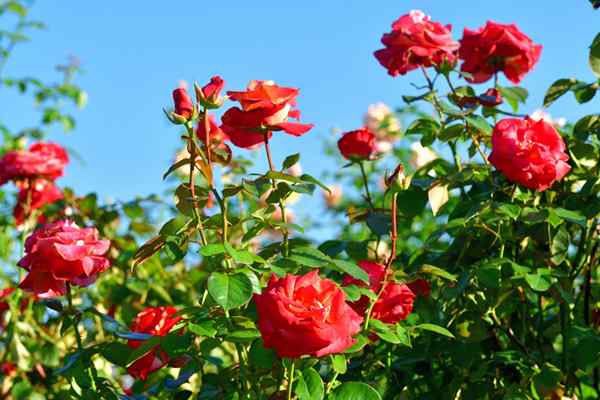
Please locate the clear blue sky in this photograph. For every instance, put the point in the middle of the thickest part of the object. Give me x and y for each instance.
(135, 52)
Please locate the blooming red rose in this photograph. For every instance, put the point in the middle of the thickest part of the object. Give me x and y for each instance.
(415, 41)
(34, 196)
(395, 302)
(529, 152)
(183, 103)
(266, 107)
(62, 252)
(305, 315)
(156, 321)
(358, 144)
(419, 287)
(497, 47)
(42, 160)
(210, 94)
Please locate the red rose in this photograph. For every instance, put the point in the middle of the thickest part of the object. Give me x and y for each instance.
(183, 103)
(415, 41)
(394, 303)
(42, 160)
(35, 196)
(420, 287)
(266, 107)
(305, 315)
(62, 252)
(156, 321)
(358, 144)
(529, 152)
(497, 47)
(210, 94)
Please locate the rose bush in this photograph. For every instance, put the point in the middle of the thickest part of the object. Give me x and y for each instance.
(460, 258)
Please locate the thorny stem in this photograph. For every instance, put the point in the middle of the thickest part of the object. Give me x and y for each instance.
(284, 231)
(90, 368)
(390, 260)
(195, 205)
(291, 380)
(366, 185)
(207, 136)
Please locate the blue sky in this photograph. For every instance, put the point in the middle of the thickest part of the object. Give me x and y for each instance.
(134, 53)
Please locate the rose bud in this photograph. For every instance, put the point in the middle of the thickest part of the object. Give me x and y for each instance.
(209, 95)
(305, 315)
(415, 41)
(184, 107)
(491, 98)
(357, 145)
(395, 302)
(497, 48)
(531, 153)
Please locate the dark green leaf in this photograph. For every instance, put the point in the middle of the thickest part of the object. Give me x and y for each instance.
(355, 391)
(229, 291)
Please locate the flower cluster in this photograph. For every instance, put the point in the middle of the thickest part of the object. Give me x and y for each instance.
(417, 42)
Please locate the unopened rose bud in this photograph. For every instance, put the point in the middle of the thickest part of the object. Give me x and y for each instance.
(210, 94)
(398, 178)
(184, 107)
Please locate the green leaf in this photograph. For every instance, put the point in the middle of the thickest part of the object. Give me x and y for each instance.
(309, 385)
(435, 328)
(355, 391)
(595, 56)
(309, 257)
(204, 328)
(351, 269)
(510, 210)
(282, 177)
(291, 160)
(480, 124)
(558, 89)
(243, 335)
(311, 179)
(559, 246)
(433, 270)
(239, 256)
(229, 291)
(176, 166)
(584, 92)
(537, 282)
(260, 356)
(338, 362)
(212, 250)
(379, 223)
(514, 95)
(572, 216)
(116, 353)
